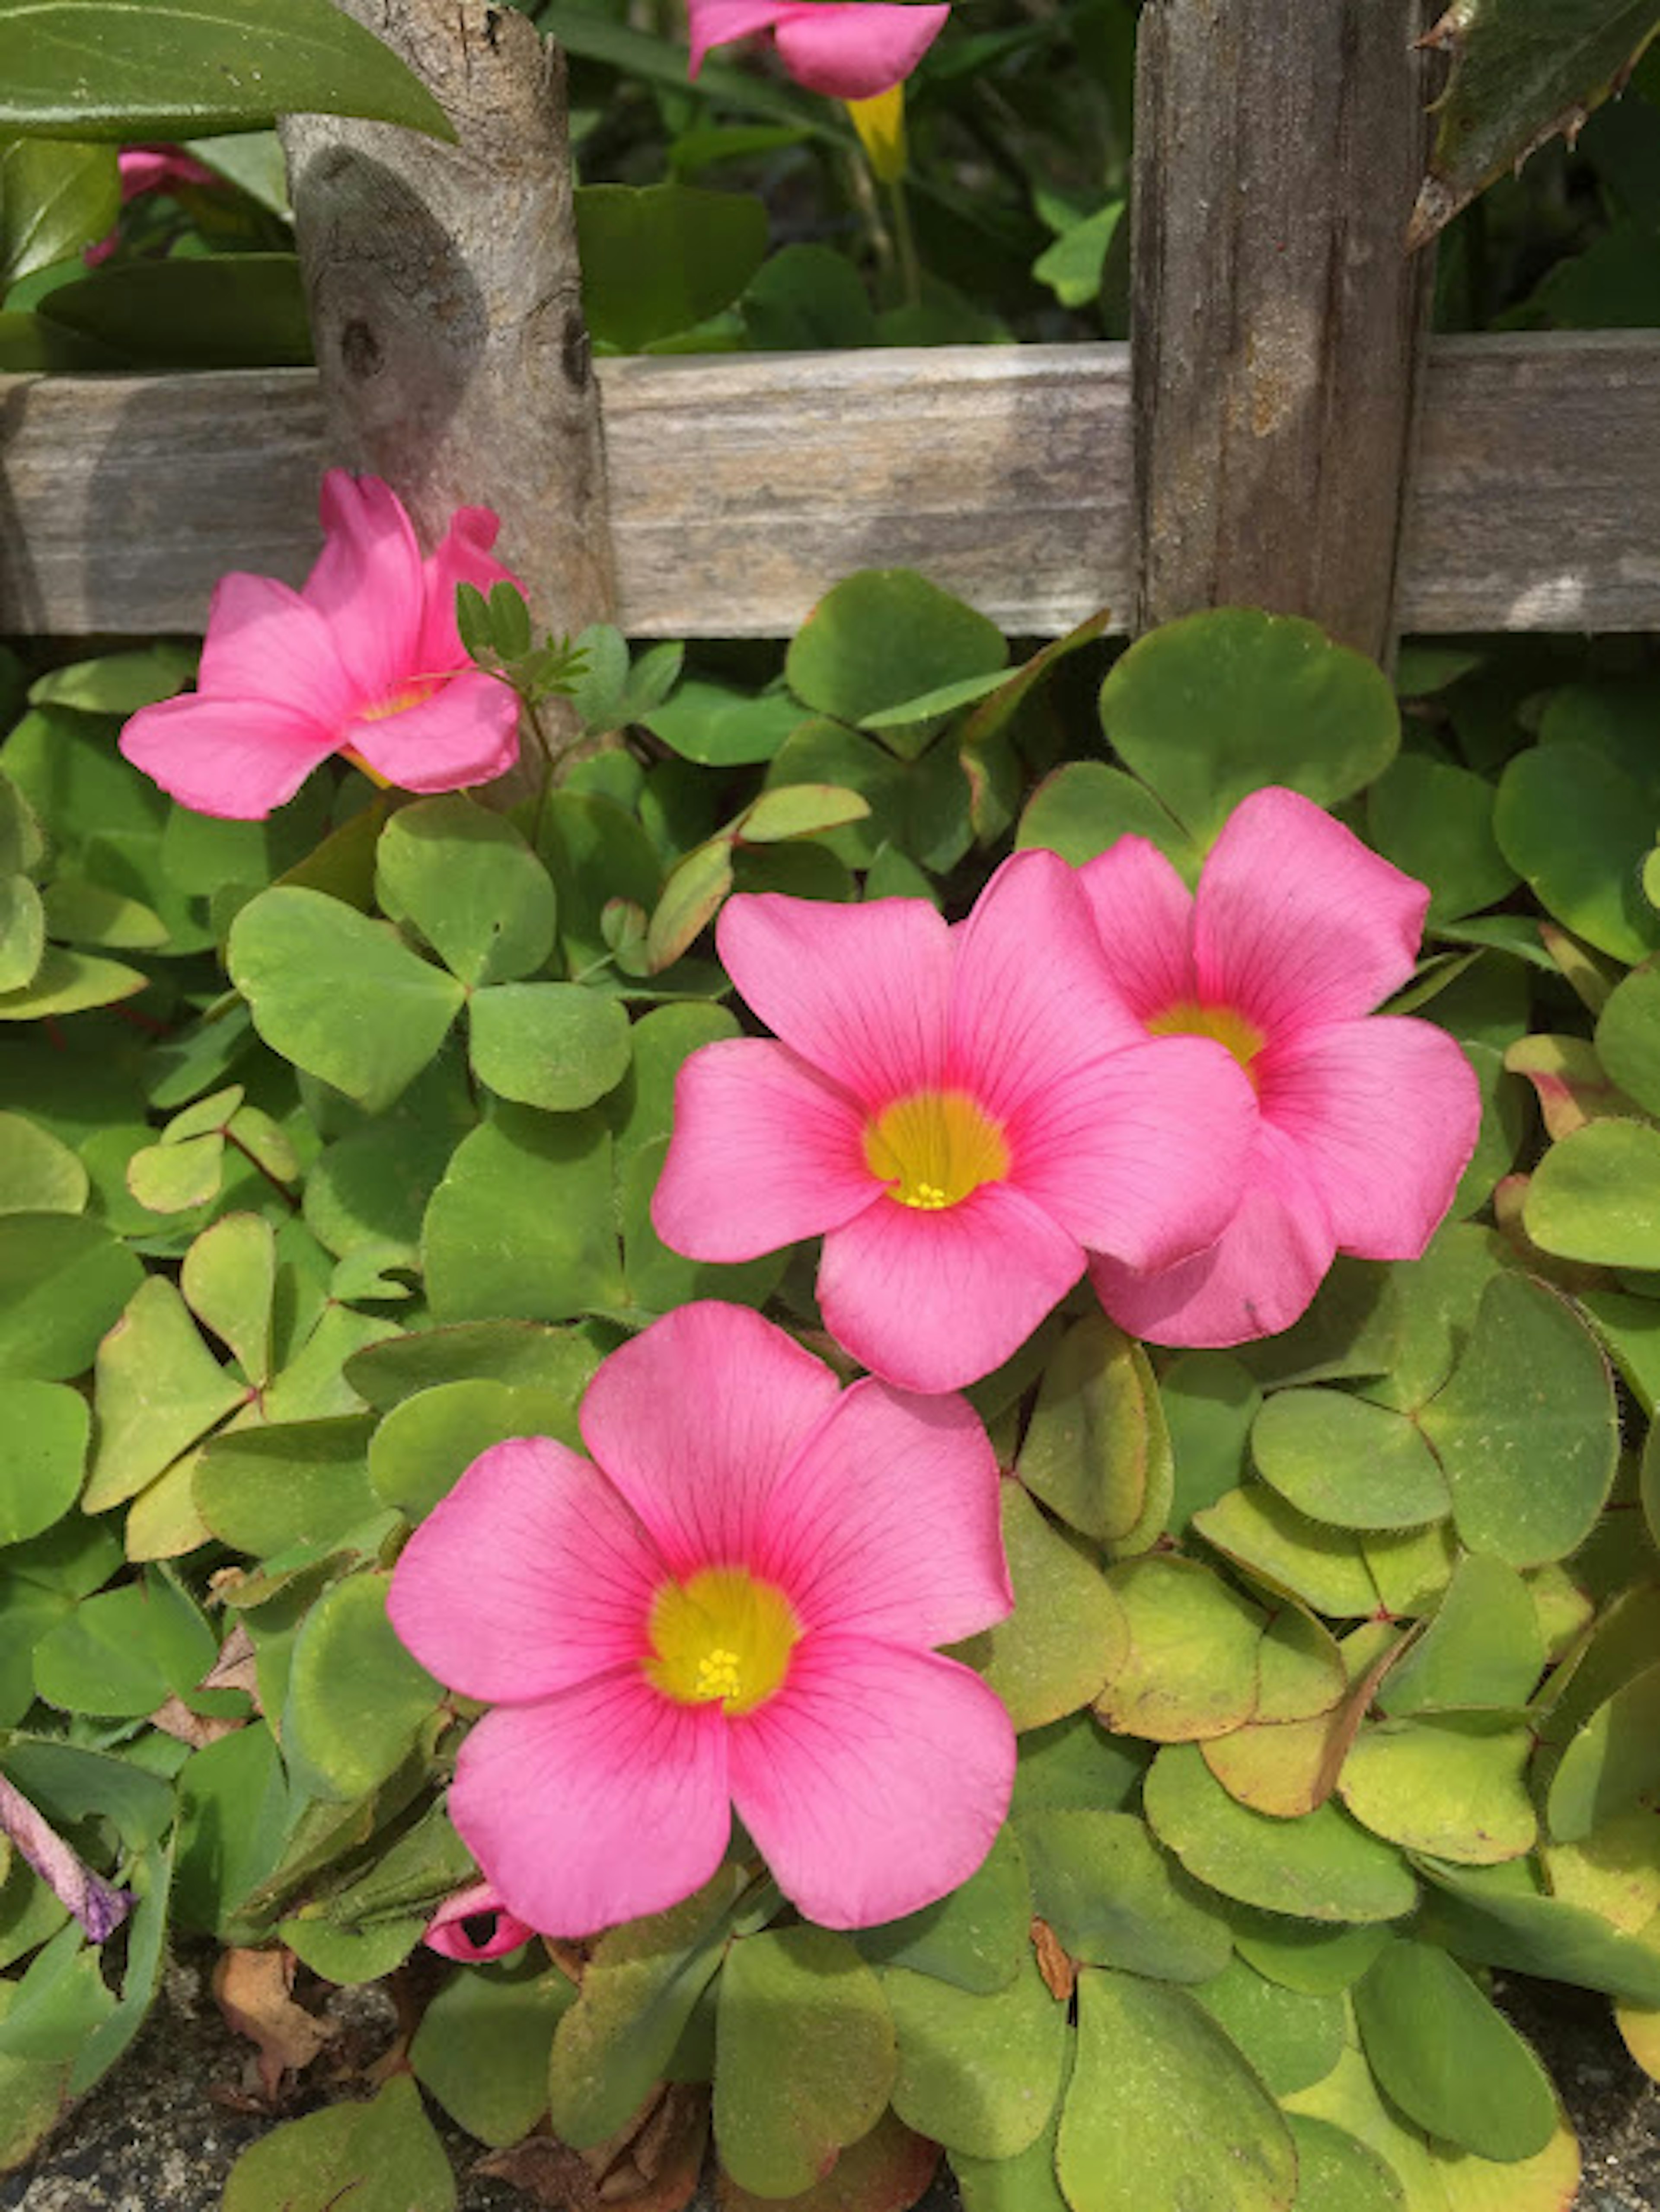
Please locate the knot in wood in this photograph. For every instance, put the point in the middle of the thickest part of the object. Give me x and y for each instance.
(575, 351)
(359, 350)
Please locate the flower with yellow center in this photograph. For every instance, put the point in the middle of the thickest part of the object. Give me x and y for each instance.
(1229, 1027)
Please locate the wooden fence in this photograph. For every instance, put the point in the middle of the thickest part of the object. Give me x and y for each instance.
(1275, 434)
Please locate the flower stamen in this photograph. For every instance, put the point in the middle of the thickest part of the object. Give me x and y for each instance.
(935, 1148)
(721, 1637)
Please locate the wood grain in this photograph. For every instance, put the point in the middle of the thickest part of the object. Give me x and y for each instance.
(1277, 320)
(743, 487)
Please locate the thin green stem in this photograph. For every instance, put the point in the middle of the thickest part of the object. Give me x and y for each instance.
(905, 239)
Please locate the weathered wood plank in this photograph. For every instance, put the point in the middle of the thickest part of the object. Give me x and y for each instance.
(1278, 320)
(743, 486)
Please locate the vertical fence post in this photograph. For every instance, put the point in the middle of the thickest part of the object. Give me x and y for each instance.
(1277, 322)
(445, 294)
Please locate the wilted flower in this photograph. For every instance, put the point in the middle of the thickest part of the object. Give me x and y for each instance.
(474, 1925)
(1296, 932)
(961, 1113)
(365, 661)
(734, 1603)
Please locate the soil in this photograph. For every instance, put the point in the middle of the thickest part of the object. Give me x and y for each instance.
(162, 2132)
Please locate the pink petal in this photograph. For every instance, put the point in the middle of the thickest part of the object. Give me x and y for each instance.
(718, 22)
(859, 991)
(1296, 921)
(157, 168)
(463, 557)
(875, 1781)
(264, 641)
(1143, 1155)
(449, 1935)
(531, 1575)
(1144, 912)
(854, 49)
(466, 732)
(886, 1523)
(764, 1151)
(1031, 1002)
(695, 1420)
(237, 758)
(1385, 1114)
(597, 1806)
(1257, 1280)
(934, 1300)
(368, 583)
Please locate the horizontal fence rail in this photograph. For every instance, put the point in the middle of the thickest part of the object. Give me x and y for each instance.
(742, 487)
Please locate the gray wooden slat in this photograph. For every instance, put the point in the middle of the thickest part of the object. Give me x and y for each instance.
(743, 486)
(1278, 321)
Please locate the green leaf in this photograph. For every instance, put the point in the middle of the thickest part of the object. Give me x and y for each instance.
(158, 1390)
(38, 1174)
(1338, 2172)
(978, 2073)
(230, 1281)
(470, 885)
(976, 1937)
(1628, 1038)
(23, 933)
(552, 1045)
(121, 684)
(1212, 708)
(1187, 1666)
(481, 2047)
(557, 1359)
(522, 1224)
(719, 727)
(595, 852)
(85, 69)
(87, 913)
(234, 1814)
(1596, 1196)
(807, 299)
(426, 1442)
(1276, 1545)
(338, 994)
(1577, 828)
(1112, 1899)
(1292, 2037)
(63, 1281)
(797, 810)
(1085, 807)
(1074, 1763)
(70, 983)
(1435, 822)
(1612, 1764)
(367, 1929)
(804, 2056)
(382, 2156)
(1320, 1867)
(69, 1785)
(1210, 1400)
(692, 897)
(885, 636)
(1454, 1786)
(1483, 1645)
(1340, 1459)
(34, 2094)
(266, 1491)
(658, 258)
(1523, 70)
(1162, 2113)
(638, 1989)
(48, 1427)
(1072, 266)
(1526, 1431)
(1091, 1449)
(1448, 2060)
(1299, 1955)
(355, 1696)
(234, 311)
(1052, 1653)
(102, 1658)
(1494, 1916)
(55, 198)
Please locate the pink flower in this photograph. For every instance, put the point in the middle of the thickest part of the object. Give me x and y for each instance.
(847, 49)
(961, 1113)
(736, 1605)
(1296, 932)
(149, 169)
(474, 1925)
(365, 661)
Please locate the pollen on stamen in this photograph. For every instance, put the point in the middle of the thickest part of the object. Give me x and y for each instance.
(934, 1148)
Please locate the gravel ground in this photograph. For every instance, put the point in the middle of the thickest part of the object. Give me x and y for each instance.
(156, 2136)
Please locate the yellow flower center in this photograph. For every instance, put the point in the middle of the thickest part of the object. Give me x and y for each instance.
(415, 693)
(1186, 1017)
(720, 1636)
(934, 1148)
